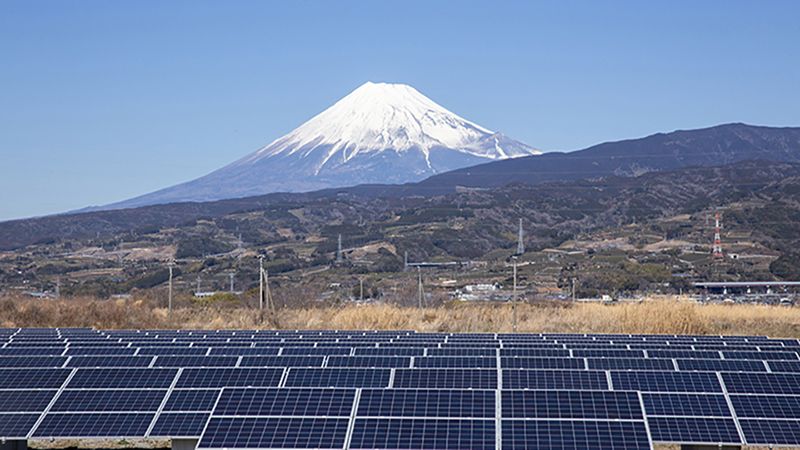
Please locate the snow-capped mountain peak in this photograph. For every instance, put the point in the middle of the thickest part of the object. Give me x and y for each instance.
(379, 133)
(378, 117)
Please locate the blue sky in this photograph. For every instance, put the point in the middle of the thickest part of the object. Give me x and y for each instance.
(105, 100)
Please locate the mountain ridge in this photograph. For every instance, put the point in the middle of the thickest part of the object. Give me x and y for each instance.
(712, 146)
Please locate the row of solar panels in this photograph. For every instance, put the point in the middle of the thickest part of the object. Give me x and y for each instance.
(659, 364)
(405, 418)
(47, 334)
(162, 378)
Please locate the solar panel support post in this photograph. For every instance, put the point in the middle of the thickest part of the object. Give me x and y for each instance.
(184, 444)
(20, 444)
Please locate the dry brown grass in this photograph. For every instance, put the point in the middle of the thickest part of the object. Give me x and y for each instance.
(655, 316)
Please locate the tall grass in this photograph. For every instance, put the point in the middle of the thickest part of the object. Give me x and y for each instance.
(655, 316)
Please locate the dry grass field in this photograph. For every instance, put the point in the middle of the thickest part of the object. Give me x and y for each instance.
(669, 316)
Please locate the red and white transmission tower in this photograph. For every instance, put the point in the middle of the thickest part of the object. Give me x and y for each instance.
(717, 249)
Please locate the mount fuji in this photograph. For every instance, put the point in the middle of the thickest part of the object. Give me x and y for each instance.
(379, 133)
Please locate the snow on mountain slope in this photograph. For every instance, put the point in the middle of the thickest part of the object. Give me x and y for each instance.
(379, 133)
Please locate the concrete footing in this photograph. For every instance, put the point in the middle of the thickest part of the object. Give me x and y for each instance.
(21, 444)
(182, 444)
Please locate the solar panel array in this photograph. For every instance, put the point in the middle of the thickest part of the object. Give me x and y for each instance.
(399, 389)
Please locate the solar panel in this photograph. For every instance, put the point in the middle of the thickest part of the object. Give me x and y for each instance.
(32, 378)
(579, 353)
(179, 425)
(122, 378)
(390, 351)
(31, 361)
(571, 405)
(31, 351)
(444, 434)
(709, 405)
(694, 430)
(286, 402)
(762, 356)
(196, 361)
(685, 354)
(555, 379)
(666, 381)
(762, 383)
(445, 378)
(784, 366)
(17, 425)
(771, 432)
(325, 351)
(542, 363)
(338, 377)
(108, 401)
(172, 351)
(535, 352)
(110, 361)
(229, 377)
(459, 352)
(574, 434)
(118, 425)
(255, 432)
(717, 365)
(467, 362)
(98, 351)
(242, 351)
(369, 361)
(25, 401)
(426, 403)
(630, 364)
(282, 361)
(766, 406)
(192, 400)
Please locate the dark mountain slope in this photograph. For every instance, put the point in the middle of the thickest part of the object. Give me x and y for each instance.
(715, 146)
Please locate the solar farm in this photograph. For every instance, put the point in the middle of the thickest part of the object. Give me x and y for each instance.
(398, 389)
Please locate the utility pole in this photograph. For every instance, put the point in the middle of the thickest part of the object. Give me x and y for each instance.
(514, 294)
(339, 250)
(520, 240)
(169, 289)
(420, 292)
(261, 282)
(230, 276)
(573, 289)
(267, 293)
